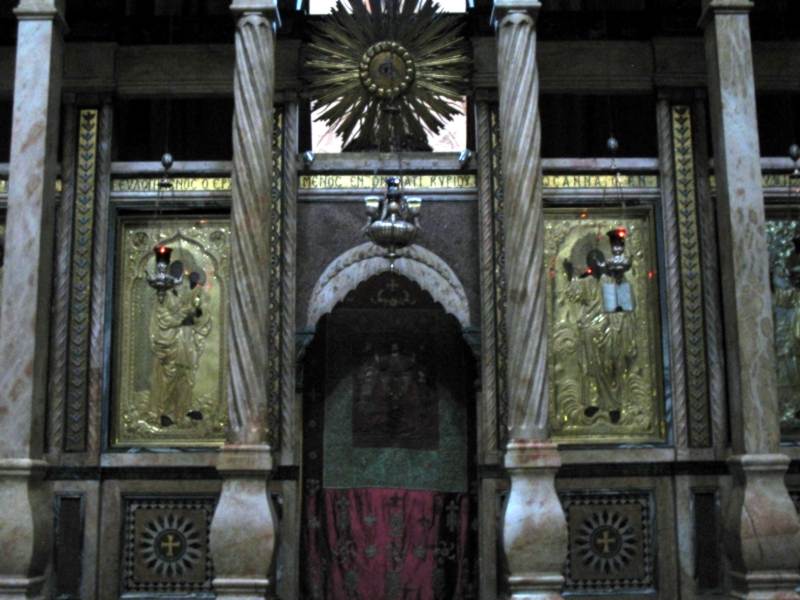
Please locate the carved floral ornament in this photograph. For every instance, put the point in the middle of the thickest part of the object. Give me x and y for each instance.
(384, 74)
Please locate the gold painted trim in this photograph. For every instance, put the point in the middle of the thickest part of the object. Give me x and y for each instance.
(81, 283)
(275, 289)
(498, 251)
(691, 278)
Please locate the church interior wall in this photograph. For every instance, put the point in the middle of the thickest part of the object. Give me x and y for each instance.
(656, 489)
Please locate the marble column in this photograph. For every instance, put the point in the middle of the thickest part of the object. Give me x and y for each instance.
(534, 526)
(242, 534)
(761, 527)
(26, 525)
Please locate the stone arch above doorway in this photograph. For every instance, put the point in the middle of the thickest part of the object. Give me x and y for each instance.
(362, 262)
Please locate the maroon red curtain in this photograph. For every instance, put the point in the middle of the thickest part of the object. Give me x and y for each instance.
(370, 544)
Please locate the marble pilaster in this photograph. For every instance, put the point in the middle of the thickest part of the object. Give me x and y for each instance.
(761, 527)
(242, 535)
(534, 526)
(27, 522)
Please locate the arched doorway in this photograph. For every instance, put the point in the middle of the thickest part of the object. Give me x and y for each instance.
(388, 449)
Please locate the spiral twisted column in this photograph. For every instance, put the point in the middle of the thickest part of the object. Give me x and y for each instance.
(242, 536)
(534, 526)
(251, 187)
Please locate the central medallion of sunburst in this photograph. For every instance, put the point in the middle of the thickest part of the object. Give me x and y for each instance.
(386, 74)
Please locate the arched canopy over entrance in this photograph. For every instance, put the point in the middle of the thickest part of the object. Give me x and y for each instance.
(389, 426)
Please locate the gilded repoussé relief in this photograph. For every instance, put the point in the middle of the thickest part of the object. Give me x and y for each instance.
(605, 365)
(170, 362)
(784, 266)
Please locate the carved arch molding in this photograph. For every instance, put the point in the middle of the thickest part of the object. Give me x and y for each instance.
(362, 262)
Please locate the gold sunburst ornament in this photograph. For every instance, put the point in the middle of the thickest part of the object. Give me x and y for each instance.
(387, 73)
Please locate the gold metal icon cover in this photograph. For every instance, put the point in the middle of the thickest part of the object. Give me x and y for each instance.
(785, 302)
(604, 360)
(171, 355)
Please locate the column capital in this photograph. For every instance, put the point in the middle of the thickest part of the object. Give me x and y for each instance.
(265, 8)
(44, 10)
(502, 8)
(712, 8)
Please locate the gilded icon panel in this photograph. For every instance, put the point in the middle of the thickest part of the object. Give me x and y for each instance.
(784, 266)
(171, 343)
(604, 342)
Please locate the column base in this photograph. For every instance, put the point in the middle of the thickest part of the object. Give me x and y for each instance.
(242, 536)
(26, 532)
(762, 530)
(241, 589)
(534, 525)
(765, 585)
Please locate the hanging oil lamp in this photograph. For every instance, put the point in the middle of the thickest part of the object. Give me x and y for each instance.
(163, 281)
(617, 265)
(392, 221)
(617, 294)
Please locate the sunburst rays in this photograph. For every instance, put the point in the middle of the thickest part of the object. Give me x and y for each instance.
(385, 73)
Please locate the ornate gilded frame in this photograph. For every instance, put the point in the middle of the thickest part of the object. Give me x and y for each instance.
(605, 368)
(178, 348)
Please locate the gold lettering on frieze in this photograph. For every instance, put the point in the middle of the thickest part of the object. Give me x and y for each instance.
(770, 180)
(179, 184)
(584, 181)
(369, 182)
(378, 182)
(4, 186)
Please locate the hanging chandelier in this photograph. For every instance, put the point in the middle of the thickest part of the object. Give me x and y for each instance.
(392, 220)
